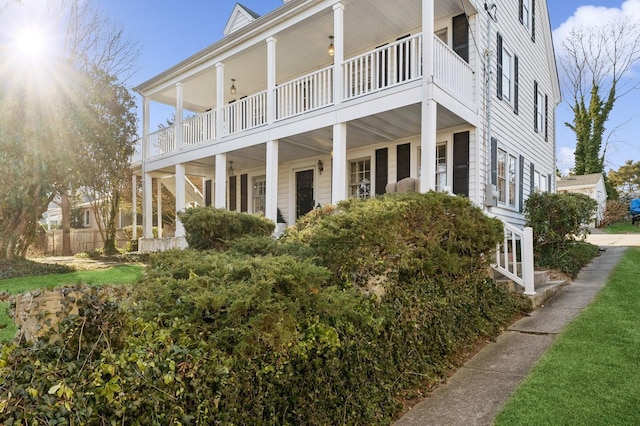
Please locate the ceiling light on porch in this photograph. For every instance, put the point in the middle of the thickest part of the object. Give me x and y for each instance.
(331, 50)
(231, 171)
(233, 86)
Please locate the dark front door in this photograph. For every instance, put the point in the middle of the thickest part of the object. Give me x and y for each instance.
(304, 192)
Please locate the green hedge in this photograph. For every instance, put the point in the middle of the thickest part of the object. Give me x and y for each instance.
(211, 228)
(332, 324)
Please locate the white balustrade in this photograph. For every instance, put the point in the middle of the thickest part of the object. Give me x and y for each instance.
(514, 257)
(198, 129)
(305, 94)
(245, 114)
(162, 141)
(453, 72)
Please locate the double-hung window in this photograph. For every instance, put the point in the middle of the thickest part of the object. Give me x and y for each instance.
(528, 17)
(507, 76)
(360, 178)
(506, 173)
(259, 194)
(441, 167)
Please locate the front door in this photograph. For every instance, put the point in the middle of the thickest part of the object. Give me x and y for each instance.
(304, 192)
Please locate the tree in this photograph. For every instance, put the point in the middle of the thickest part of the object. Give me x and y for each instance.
(104, 155)
(44, 113)
(595, 60)
(627, 177)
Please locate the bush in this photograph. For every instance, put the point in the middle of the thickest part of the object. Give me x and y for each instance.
(210, 228)
(570, 259)
(558, 219)
(616, 211)
(278, 332)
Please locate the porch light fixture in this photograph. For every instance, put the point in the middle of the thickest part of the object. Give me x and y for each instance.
(233, 86)
(231, 171)
(320, 166)
(331, 50)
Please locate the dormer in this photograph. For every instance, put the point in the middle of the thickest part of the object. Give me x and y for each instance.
(240, 17)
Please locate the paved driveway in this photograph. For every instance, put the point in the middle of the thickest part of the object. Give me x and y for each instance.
(608, 240)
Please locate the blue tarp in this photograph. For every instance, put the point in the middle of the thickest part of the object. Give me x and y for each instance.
(634, 208)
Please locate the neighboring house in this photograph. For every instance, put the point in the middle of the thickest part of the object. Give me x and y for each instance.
(322, 100)
(592, 185)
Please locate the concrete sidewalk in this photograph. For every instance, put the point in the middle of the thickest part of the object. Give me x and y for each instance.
(476, 393)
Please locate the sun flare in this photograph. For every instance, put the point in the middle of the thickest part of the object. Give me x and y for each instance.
(30, 42)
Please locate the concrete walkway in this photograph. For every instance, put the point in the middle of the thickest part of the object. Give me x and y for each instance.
(476, 393)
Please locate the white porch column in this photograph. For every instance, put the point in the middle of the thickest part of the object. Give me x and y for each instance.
(339, 167)
(134, 207)
(147, 179)
(271, 208)
(221, 181)
(338, 47)
(219, 100)
(179, 115)
(429, 106)
(271, 80)
(147, 208)
(159, 207)
(180, 197)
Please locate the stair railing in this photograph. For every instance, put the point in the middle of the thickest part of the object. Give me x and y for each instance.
(517, 247)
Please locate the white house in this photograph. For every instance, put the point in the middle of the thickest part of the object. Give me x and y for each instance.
(592, 185)
(322, 100)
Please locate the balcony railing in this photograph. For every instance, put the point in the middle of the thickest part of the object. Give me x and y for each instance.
(452, 71)
(305, 94)
(245, 114)
(199, 128)
(384, 67)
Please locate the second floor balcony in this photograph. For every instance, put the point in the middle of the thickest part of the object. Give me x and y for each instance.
(303, 83)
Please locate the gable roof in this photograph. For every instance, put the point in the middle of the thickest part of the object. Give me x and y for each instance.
(240, 17)
(582, 180)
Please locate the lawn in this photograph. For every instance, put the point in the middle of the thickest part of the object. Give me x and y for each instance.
(116, 275)
(591, 375)
(621, 228)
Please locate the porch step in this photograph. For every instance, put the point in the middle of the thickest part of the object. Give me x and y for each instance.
(544, 287)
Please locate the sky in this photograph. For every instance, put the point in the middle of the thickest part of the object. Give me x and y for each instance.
(169, 32)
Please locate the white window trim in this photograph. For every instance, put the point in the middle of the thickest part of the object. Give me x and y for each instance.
(254, 180)
(540, 112)
(509, 196)
(508, 78)
(359, 186)
(526, 14)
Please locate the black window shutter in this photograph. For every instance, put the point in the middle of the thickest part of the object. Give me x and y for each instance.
(532, 176)
(207, 192)
(549, 183)
(382, 170)
(233, 193)
(533, 20)
(535, 106)
(403, 161)
(521, 184)
(515, 84)
(499, 74)
(546, 118)
(461, 163)
(244, 186)
(521, 12)
(461, 36)
(494, 161)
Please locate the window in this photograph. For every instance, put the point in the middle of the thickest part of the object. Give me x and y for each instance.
(441, 167)
(360, 178)
(539, 111)
(527, 16)
(540, 182)
(443, 35)
(506, 181)
(87, 217)
(259, 194)
(507, 76)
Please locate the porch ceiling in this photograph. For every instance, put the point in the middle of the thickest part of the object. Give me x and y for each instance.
(300, 49)
(382, 128)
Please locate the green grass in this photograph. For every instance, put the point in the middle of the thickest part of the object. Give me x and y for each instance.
(621, 228)
(117, 275)
(591, 375)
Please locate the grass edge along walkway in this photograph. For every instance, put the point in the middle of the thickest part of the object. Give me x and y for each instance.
(591, 374)
(115, 275)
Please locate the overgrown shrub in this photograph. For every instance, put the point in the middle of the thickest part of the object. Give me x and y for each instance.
(210, 228)
(256, 336)
(570, 258)
(558, 219)
(616, 211)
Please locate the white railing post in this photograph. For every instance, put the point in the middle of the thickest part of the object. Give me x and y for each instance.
(527, 261)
